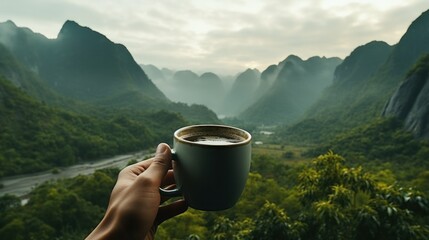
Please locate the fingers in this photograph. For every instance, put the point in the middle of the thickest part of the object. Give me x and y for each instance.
(171, 210)
(169, 178)
(135, 169)
(159, 166)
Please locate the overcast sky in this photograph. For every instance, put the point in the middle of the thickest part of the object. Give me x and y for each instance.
(224, 36)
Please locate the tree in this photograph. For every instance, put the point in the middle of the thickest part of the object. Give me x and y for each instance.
(346, 203)
(272, 223)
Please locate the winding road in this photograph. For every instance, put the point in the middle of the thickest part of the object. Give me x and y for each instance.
(22, 184)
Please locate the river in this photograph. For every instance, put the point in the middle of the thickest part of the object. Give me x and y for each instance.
(22, 184)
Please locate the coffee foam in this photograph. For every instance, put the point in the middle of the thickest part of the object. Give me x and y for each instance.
(212, 135)
(213, 139)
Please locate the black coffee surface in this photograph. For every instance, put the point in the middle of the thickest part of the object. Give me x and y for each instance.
(214, 140)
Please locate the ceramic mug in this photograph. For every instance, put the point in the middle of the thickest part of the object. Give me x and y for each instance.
(211, 164)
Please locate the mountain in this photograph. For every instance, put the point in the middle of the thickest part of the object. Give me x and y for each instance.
(162, 79)
(242, 93)
(23, 78)
(186, 84)
(36, 137)
(183, 86)
(41, 129)
(83, 65)
(297, 85)
(187, 87)
(154, 73)
(212, 92)
(363, 84)
(167, 73)
(206, 89)
(410, 102)
(80, 63)
(412, 46)
(268, 76)
(350, 80)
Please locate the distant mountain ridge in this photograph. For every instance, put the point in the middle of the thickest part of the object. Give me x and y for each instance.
(153, 72)
(242, 92)
(274, 107)
(188, 87)
(296, 85)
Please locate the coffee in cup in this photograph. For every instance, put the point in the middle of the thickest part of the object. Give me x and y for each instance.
(211, 164)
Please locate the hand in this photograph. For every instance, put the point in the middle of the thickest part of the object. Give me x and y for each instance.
(134, 210)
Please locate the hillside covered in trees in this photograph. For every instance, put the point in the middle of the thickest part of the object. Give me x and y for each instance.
(352, 163)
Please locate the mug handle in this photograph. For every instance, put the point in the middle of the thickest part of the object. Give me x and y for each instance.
(173, 192)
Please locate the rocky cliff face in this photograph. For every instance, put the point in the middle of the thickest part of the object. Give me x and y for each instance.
(410, 102)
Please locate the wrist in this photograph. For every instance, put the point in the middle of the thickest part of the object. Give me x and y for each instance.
(117, 225)
(108, 228)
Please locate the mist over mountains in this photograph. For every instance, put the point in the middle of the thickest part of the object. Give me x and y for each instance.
(281, 93)
(365, 82)
(340, 146)
(320, 92)
(297, 85)
(76, 98)
(188, 87)
(83, 66)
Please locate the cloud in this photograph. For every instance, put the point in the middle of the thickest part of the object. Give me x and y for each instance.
(224, 36)
(306, 30)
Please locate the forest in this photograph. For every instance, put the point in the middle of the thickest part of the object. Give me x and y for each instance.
(369, 184)
(326, 197)
(340, 146)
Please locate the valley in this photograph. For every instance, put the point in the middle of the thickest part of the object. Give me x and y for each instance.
(340, 146)
(22, 185)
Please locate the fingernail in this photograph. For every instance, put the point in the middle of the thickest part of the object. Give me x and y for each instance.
(161, 148)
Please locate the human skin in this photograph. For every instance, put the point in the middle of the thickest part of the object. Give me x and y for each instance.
(134, 210)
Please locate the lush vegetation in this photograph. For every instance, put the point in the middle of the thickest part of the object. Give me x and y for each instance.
(382, 145)
(66, 209)
(37, 137)
(325, 199)
(363, 83)
(422, 66)
(379, 192)
(383, 139)
(82, 67)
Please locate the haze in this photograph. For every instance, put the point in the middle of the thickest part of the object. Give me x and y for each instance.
(222, 36)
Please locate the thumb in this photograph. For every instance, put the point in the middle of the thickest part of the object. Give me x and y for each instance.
(160, 165)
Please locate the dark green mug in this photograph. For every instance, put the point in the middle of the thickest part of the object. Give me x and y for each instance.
(211, 164)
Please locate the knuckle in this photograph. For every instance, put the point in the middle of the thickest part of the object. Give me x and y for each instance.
(146, 181)
(160, 161)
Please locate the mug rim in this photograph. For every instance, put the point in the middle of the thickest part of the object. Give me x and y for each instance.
(248, 136)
